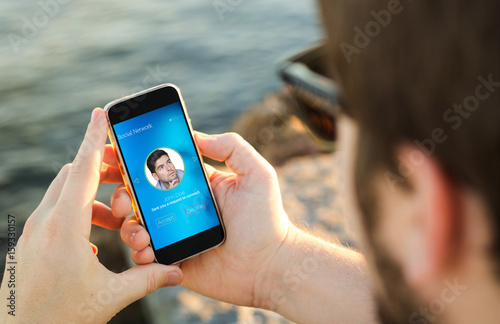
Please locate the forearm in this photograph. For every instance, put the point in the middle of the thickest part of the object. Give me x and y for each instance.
(312, 281)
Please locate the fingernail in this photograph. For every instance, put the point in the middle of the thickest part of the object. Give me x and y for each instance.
(132, 237)
(95, 113)
(173, 279)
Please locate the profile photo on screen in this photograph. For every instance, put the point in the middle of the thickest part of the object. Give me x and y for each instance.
(164, 168)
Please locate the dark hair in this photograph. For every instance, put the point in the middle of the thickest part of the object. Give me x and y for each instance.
(152, 159)
(410, 70)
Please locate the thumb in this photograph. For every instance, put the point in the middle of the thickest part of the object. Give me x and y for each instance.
(142, 280)
(238, 154)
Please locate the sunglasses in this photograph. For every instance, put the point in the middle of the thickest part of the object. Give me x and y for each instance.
(317, 97)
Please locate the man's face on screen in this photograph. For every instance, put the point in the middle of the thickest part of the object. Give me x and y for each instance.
(165, 169)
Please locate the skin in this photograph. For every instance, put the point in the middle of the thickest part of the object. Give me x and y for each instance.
(434, 231)
(166, 172)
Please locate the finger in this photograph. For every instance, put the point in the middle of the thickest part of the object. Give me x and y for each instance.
(102, 216)
(240, 156)
(121, 204)
(143, 257)
(110, 174)
(134, 235)
(213, 172)
(210, 170)
(142, 280)
(81, 185)
(216, 177)
(109, 156)
(54, 191)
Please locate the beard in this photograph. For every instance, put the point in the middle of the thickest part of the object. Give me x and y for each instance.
(169, 178)
(395, 300)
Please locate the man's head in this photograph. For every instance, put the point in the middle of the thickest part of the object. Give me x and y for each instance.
(421, 83)
(161, 167)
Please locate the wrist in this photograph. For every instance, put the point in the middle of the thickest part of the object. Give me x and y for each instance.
(270, 290)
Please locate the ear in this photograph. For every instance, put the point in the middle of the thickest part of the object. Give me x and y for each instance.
(155, 176)
(428, 219)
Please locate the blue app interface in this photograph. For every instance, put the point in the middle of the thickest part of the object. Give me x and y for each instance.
(166, 175)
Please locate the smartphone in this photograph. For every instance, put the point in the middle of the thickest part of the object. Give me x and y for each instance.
(164, 173)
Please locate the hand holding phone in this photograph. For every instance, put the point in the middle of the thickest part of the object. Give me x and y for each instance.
(249, 198)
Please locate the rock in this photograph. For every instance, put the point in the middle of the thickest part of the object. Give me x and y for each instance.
(274, 131)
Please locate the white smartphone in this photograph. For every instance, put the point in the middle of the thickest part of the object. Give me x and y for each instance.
(164, 173)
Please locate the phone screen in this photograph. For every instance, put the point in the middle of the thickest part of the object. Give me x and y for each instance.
(166, 175)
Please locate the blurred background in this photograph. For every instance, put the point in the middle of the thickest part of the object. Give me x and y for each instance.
(61, 58)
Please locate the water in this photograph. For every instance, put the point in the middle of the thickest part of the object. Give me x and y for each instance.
(91, 52)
